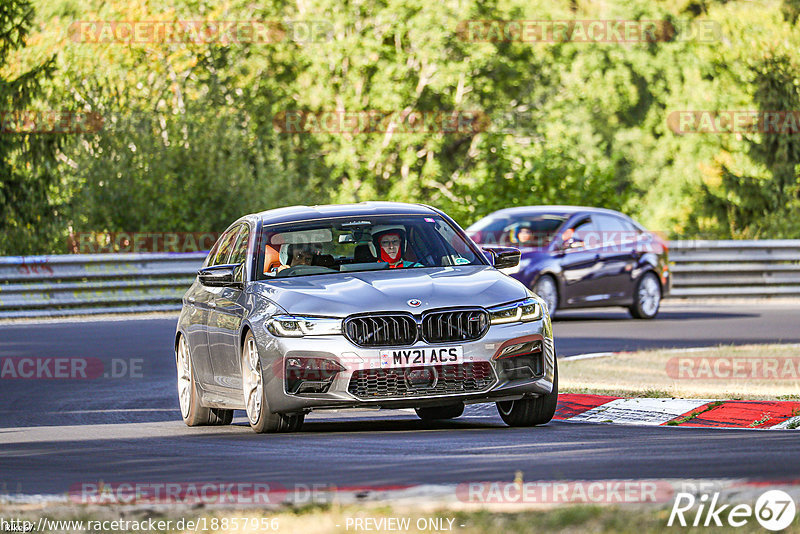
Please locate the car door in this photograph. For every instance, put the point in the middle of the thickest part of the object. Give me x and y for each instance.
(197, 301)
(226, 319)
(617, 256)
(579, 260)
(223, 252)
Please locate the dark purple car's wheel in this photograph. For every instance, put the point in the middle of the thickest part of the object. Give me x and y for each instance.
(546, 288)
(647, 298)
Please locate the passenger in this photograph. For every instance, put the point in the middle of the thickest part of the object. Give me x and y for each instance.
(391, 245)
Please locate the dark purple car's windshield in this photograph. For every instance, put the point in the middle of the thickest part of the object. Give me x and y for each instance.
(361, 244)
(537, 230)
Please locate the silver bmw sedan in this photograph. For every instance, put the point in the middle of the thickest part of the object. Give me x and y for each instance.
(378, 304)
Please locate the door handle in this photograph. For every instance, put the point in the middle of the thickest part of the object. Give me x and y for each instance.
(212, 304)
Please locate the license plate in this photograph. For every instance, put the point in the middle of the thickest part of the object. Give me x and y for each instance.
(421, 356)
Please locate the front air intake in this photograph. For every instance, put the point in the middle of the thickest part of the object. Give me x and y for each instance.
(381, 330)
(456, 325)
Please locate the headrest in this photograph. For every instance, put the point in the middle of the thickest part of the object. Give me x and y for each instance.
(364, 253)
(271, 259)
(285, 254)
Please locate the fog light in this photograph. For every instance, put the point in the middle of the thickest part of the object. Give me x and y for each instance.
(522, 361)
(310, 375)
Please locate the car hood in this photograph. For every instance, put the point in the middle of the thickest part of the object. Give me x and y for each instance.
(343, 294)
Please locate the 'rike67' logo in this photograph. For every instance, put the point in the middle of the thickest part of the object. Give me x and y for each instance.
(774, 510)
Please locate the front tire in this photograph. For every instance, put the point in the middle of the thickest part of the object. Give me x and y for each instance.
(255, 401)
(547, 289)
(646, 298)
(531, 412)
(192, 411)
(435, 413)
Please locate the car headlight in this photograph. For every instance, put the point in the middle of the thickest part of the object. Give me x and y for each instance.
(522, 311)
(297, 326)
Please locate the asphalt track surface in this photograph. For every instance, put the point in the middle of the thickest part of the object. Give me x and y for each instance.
(55, 434)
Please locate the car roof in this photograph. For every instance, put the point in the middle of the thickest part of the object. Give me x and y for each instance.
(553, 209)
(362, 209)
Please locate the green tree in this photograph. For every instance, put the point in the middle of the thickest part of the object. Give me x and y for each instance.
(190, 141)
(28, 207)
(751, 184)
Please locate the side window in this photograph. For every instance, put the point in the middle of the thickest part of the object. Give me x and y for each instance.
(239, 254)
(612, 230)
(630, 234)
(211, 253)
(240, 248)
(628, 225)
(225, 246)
(583, 234)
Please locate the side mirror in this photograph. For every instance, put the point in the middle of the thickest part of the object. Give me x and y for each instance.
(221, 275)
(503, 257)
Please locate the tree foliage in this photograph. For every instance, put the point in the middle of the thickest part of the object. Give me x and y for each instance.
(190, 138)
(29, 200)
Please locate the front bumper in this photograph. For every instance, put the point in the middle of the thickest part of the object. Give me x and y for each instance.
(498, 384)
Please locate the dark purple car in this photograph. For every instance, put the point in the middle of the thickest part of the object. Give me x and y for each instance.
(577, 257)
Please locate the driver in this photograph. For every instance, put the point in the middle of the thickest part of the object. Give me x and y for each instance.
(390, 245)
(297, 254)
(525, 235)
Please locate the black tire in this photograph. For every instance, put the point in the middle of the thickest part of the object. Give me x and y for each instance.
(197, 415)
(646, 297)
(278, 422)
(434, 413)
(262, 420)
(546, 288)
(223, 416)
(295, 422)
(531, 412)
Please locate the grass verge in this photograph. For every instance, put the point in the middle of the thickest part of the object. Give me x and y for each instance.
(753, 372)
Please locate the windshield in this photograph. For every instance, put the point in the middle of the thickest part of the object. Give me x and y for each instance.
(360, 244)
(536, 230)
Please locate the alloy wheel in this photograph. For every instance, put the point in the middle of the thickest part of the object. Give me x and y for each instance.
(184, 377)
(649, 295)
(252, 381)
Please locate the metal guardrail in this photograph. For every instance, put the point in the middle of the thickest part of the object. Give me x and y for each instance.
(72, 284)
(764, 268)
